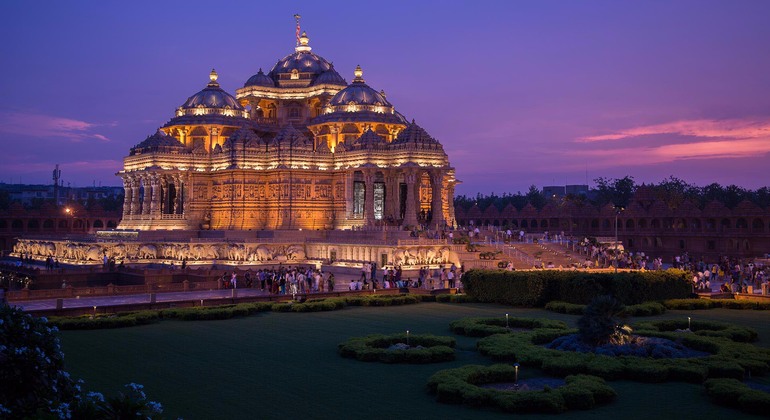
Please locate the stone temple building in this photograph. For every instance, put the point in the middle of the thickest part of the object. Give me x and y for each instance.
(296, 148)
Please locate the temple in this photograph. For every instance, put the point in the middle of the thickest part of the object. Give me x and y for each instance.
(295, 148)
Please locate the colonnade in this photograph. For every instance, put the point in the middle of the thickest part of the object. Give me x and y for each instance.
(154, 194)
(392, 207)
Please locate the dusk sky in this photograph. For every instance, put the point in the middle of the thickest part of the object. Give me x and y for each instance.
(518, 92)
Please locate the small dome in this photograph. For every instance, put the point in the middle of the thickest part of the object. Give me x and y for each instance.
(359, 93)
(260, 79)
(330, 77)
(369, 139)
(159, 139)
(212, 96)
(244, 135)
(415, 134)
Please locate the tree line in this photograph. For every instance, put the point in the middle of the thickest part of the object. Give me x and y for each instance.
(619, 192)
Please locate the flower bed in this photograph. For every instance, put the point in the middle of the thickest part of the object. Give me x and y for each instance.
(461, 386)
(483, 327)
(423, 348)
(727, 358)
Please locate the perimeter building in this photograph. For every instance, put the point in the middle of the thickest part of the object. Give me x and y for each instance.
(297, 147)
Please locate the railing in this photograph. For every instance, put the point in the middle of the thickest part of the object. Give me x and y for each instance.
(172, 216)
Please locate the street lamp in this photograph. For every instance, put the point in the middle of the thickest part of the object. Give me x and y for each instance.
(618, 209)
(516, 377)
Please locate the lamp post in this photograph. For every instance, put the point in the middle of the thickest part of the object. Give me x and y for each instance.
(618, 209)
(407, 337)
(506, 321)
(516, 375)
(688, 323)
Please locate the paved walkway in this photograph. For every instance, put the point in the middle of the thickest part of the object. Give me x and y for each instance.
(91, 301)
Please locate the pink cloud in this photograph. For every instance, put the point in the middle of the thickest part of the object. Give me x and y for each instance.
(37, 125)
(726, 129)
(638, 156)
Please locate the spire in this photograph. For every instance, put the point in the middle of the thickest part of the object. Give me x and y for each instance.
(358, 73)
(303, 43)
(213, 76)
(297, 17)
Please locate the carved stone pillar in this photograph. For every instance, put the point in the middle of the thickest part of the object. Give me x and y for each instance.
(154, 195)
(135, 204)
(178, 190)
(410, 216)
(349, 194)
(147, 198)
(437, 202)
(369, 200)
(451, 197)
(128, 195)
(391, 197)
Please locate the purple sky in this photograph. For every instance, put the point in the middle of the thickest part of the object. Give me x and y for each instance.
(519, 92)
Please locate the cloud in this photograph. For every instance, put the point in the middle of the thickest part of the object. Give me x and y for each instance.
(725, 129)
(712, 149)
(46, 126)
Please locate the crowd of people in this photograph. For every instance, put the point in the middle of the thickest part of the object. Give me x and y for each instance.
(280, 281)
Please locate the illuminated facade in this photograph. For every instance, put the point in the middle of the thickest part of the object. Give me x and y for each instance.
(297, 147)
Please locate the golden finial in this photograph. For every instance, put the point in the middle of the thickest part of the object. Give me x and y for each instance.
(213, 75)
(358, 73)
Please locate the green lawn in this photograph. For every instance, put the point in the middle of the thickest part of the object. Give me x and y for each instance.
(279, 365)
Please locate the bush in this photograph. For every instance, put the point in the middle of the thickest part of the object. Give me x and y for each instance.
(702, 328)
(695, 304)
(536, 288)
(375, 348)
(642, 309)
(461, 385)
(565, 308)
(727, 359)
(447, 298)
(482, 327)
(734, 393)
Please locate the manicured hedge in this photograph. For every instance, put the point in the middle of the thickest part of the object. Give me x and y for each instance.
(728, 358)
(483, 327)
(692, 304)
(536, 288)
(461, 386)
(374, 348)
(642, 309)
(381, 300)
(699, 327)
(734, 393)
(122, 320)
(447, 298)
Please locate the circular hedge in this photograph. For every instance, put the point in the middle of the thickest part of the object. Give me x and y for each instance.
(728, 359)
(483, 327)
(375, 348)
(461, 386)
(703, 328)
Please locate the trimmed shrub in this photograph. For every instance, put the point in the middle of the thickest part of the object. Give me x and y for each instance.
(536, 288)
(565, 308)
(461, 385)
(734, 393)
(447, 298)
(728, 359)
(702, 328)
(694, 304)
(482, 327)
(376, 348)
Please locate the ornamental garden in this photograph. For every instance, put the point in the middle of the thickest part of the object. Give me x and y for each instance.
(630, 344)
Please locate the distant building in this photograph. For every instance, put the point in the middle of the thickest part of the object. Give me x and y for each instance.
(28, 194)
(560, 191)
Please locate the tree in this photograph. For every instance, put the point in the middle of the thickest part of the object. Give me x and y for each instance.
(603, 322)
(535, 197)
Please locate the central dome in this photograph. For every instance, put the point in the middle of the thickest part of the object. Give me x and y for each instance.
(304, 61)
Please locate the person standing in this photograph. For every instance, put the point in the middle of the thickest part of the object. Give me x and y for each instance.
(234, 280)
